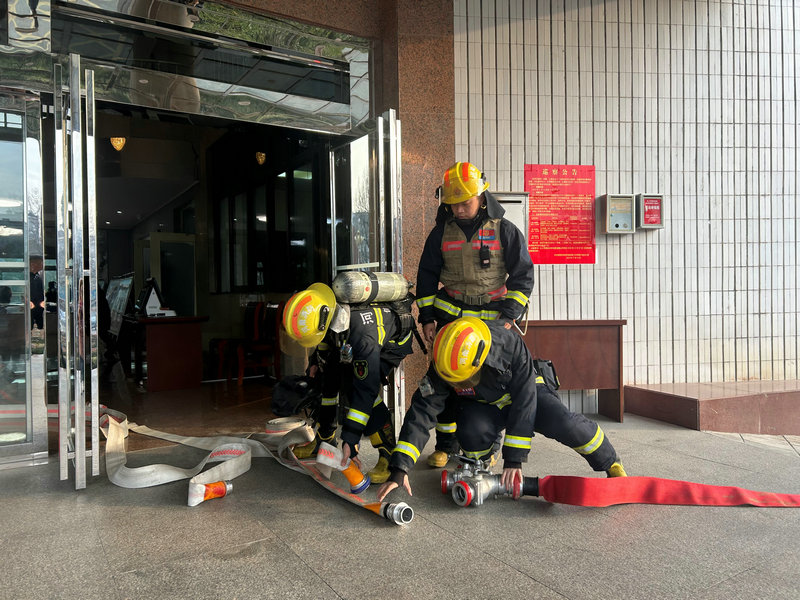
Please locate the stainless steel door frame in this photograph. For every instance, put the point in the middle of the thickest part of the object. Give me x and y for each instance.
(394, 203)
(73, 196)
(378, 169)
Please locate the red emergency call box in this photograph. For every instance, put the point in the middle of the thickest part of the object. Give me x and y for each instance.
(650, 211)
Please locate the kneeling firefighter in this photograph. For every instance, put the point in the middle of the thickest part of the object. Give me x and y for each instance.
(356, 347)
(487, 367)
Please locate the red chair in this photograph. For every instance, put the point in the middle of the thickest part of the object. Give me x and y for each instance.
(260, 348)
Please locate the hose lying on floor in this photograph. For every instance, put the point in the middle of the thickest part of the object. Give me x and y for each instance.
(471, 487)
(593, 491)
(234, 455)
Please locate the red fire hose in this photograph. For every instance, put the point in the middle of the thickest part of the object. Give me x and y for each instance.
(593, 491)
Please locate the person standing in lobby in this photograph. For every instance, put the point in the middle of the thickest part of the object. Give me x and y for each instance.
(37, 292)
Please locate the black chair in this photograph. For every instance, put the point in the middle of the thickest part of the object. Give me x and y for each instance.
(260, 348)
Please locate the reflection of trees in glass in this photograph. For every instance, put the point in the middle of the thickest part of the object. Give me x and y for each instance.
(221, 102)
(27, 69)
(291, 35)
(34, 176)
(12, 204)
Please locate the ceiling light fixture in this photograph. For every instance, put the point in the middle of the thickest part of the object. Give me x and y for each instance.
(118, 143)
(261, 158)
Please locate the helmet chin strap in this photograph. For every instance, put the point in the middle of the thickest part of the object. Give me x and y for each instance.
(470, 382)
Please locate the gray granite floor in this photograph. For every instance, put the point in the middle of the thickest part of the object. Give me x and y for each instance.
(280, 535)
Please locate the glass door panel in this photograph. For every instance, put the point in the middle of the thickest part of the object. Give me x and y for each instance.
(23, 410)
(365, 211)
(355, 206)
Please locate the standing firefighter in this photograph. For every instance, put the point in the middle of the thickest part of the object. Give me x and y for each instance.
(356, 348)
(483, 264)
(487, 367)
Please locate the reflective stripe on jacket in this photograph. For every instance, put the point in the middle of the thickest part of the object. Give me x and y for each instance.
(508, 381)
(373, 336)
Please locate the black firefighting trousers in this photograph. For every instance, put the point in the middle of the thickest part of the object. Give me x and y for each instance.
(478, 426)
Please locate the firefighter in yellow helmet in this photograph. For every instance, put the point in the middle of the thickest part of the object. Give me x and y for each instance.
(482, 262)
(490, 372)
(355, 350)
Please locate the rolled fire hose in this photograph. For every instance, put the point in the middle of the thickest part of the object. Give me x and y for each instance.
(234, 455)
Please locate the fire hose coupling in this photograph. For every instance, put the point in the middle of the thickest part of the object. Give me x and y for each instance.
(200, 492)
(398, 513)
(470, 488)
(331, 456)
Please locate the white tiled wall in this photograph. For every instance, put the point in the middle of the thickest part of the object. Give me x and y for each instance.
(696, 100)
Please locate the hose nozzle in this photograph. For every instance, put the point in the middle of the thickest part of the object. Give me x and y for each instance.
(398, 513)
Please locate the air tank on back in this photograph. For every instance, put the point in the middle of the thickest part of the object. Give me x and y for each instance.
(363, 287)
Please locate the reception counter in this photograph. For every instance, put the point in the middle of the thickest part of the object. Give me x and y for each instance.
(173, 351)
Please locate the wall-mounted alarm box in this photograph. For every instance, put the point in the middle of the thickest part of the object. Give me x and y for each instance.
(516, 207)
(650, 211)
(618, 211)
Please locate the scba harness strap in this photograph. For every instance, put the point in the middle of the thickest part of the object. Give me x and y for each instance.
(402, 310)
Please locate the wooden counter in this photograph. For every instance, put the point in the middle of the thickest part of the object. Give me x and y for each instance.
(174, 352)
(587, 355)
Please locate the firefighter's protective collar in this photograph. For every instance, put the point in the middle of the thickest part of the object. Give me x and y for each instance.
(341, 318)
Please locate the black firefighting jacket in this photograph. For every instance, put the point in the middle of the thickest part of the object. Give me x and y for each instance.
(508, 381)
(376, 350)
(515, 252)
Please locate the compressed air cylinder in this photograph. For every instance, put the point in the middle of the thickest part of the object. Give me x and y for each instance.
(362, 287)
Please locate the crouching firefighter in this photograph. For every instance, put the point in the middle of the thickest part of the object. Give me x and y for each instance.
(487, 367)
(356, 347)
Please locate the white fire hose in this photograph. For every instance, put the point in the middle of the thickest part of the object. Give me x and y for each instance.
(234, 455)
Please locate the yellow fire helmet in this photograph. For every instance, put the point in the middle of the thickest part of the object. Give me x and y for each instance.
(308, 314)
(461, 182)
(460, 349)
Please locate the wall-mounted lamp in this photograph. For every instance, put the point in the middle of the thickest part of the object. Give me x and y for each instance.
(260, 158)
(118, 143)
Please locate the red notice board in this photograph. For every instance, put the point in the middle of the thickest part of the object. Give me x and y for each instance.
(561, 221)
